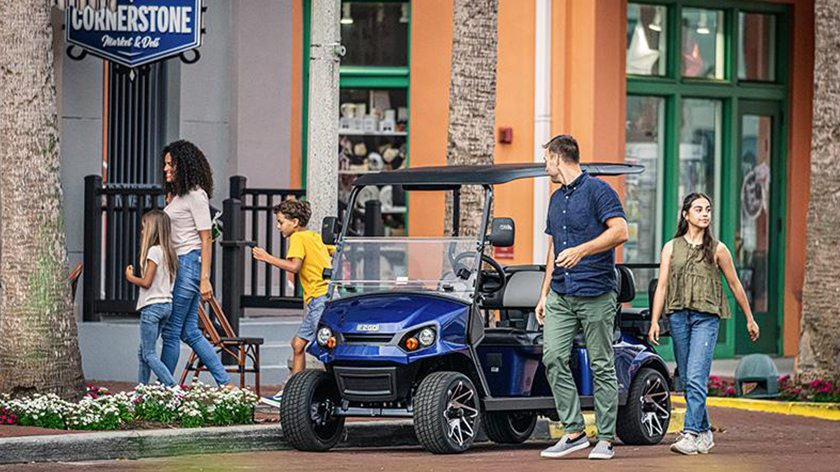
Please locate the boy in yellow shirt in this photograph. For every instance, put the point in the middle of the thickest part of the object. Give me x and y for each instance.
(307, 256)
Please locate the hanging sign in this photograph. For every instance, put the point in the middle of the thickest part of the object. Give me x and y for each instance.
(136, 32)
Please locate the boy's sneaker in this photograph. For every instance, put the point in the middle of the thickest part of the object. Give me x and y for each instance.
(687, 444)
(565, 446)
(273, 401)
(705, 441)
(602, 450)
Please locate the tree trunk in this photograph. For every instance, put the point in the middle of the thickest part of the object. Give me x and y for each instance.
(472, 100)
(819, 343)
(39, 351)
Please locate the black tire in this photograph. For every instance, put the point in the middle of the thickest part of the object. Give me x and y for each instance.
(510, 428)
(306, 411)
(440, 398)
(644, 419)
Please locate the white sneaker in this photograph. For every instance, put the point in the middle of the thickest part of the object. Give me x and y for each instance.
(687, 444)
(705, 441)
(273, 401)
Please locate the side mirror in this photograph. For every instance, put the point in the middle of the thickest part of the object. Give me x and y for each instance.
(502, 232)
(330, 230)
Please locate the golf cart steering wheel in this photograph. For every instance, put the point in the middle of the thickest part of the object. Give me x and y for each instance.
(491, 281)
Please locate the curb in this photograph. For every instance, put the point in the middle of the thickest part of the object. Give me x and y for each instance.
(229, 439)
(825, 411)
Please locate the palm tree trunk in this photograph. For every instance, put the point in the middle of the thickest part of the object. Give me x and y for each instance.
(819, 343)
(472, 100)
(39, 351)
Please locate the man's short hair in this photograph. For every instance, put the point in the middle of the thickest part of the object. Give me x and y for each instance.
(564, 146)
(295, 209)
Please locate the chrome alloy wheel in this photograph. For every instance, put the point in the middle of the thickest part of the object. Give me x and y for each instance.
(461, 413)
(655, 412)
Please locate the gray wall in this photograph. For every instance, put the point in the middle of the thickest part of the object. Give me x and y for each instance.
(261, 91)
(234, 103)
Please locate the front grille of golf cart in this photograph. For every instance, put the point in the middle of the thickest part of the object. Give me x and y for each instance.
(367, 338)
(367, 383)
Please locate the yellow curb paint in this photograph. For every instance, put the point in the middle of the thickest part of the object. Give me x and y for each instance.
(826, 411)
(555, 428)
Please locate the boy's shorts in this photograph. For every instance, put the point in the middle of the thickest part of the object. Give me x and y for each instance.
(309, 326)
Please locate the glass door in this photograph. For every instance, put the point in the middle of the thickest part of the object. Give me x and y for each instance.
(758, 249)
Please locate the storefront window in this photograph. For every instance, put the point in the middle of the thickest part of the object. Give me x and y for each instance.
(700, 150)
(646, 34)
(375, 34)
(645, 147)
(702, 43)
(757, 47)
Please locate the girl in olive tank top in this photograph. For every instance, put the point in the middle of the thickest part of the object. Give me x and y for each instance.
(691, 293)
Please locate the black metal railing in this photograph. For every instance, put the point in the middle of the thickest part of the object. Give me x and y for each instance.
(112, 241)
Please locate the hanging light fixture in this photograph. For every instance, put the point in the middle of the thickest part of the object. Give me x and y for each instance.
(404, 13)
(656, 25)
(346, 19)
(702, 27)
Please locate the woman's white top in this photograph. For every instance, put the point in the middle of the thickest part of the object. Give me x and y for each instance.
(189, 214)
(161, 289)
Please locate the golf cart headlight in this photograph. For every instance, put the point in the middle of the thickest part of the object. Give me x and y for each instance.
(323, 337)
(426, 337)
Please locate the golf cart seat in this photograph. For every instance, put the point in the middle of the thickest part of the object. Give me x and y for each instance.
(522, 293)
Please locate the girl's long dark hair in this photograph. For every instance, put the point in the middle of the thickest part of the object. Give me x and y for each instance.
(708, 247)
(191, 169)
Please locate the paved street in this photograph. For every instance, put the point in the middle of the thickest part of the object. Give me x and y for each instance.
(749, 441)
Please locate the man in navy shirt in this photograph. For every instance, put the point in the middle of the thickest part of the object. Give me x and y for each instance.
(585, 223)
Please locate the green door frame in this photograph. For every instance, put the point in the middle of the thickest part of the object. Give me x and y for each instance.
(778, 212)
(731, 92)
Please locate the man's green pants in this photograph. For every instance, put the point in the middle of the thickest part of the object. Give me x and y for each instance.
(564, 316)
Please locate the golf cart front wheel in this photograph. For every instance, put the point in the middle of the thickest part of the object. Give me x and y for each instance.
(510, 428)
(307, 411)
(645, 418)
(447, 413)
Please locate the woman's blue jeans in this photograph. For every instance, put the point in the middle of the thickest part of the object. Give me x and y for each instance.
(183, 324)
(694, 335)
(152, 320)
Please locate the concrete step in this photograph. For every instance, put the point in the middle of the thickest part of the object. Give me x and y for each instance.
(109, 349)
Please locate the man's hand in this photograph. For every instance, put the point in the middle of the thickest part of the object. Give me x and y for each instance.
(259, 254)
(540, 311)
(570, 257)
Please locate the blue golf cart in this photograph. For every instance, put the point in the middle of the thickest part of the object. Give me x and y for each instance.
(434, 329)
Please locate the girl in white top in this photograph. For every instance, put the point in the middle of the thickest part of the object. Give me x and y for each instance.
(189, 185)
(158, 264)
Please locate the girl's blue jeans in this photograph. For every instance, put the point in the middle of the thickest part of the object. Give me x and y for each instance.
(183, 324)
(694, 335)
(152, 320)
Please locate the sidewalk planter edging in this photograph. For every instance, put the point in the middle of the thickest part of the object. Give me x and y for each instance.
(826, 411)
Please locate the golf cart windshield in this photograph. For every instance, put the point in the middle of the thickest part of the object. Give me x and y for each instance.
(443, 266)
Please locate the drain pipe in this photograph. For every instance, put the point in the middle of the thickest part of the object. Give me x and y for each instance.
(542, 122)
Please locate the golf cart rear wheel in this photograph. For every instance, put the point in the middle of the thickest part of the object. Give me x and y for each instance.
(306, 411)
(447, 413)
(644, 419)
(510, 428)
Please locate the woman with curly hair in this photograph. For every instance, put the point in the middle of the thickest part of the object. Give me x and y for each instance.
(189, 186)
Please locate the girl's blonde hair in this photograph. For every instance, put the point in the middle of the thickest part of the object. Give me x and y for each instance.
(157, 231)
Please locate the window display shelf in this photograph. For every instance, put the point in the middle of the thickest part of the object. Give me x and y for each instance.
(348, 132)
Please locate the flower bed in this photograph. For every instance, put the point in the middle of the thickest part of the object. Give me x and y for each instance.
(818, 391)
(188, 407)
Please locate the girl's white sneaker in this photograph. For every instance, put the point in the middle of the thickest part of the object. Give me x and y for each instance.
(687, 444)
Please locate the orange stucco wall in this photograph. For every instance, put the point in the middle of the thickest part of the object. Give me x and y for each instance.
(798, 168)
(295, 159)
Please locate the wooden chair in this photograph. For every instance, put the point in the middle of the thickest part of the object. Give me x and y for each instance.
(241, 349)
